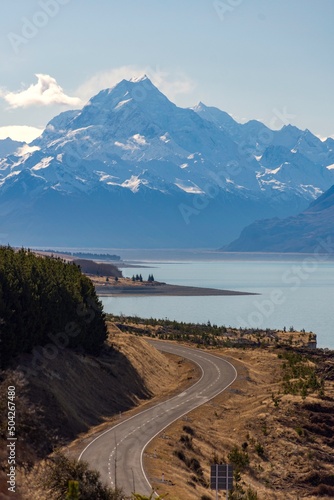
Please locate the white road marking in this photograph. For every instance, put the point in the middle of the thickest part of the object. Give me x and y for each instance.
(195, 400)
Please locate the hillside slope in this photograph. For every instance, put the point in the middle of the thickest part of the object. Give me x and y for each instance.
(310, 231)
(72, 392)
(281, 443)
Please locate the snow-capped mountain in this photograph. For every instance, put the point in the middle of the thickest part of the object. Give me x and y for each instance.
(133, 169)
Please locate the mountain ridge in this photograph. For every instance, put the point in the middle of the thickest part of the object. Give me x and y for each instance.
(8, 146)
(131, 159)
(311, 231)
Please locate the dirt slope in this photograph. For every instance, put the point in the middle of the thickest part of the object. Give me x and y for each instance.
(288, 439)
(73, 392)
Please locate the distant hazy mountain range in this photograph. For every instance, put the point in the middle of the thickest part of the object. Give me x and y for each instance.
(131, 169)
(312, 231)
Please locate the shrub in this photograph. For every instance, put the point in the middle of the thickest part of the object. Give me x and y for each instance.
(60, 472)
(299, 431)
(194, 465)
(180, 455)
(238, 458)
(189, 430)
(259, 449)
(187, 441)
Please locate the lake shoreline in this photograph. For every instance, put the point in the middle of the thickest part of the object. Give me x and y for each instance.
(162, 289)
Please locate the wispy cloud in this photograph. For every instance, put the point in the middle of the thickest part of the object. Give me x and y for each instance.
(22, 133)
(169, 84)
(45, 92)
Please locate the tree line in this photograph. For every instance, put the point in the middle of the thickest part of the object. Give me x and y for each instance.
(139, 277)
(41, 297)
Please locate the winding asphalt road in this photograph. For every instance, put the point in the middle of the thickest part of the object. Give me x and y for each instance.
(119, 450)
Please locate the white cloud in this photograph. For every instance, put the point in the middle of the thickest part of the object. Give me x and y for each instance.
(20, 133)
(26, 149)
(170, 85)
(44, 93)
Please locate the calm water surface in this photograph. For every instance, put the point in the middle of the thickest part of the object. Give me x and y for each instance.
(293, 293)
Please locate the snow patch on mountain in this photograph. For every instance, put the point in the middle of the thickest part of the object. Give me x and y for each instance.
(188, 187)
(133, 183)
(44, 163)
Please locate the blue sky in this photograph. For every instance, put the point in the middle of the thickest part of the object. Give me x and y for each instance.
(251, 58)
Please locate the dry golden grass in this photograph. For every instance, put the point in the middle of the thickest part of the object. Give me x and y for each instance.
(178, 372)
(100, 282)
(82, 395)
(246, 413)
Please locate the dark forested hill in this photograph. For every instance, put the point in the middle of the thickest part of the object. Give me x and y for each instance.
(46, 302)
(99, 268)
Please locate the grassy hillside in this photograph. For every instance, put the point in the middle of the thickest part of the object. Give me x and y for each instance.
(73, 393)
(274, 424)
(281, 443)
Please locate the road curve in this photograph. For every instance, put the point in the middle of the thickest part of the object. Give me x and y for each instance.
(119, 450)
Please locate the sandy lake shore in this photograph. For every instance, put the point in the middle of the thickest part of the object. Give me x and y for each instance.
(125, 287)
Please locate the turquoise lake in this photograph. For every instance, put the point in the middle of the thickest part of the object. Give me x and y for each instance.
(294, 292)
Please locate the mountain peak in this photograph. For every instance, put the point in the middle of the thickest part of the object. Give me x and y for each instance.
(137, 79)
(291, 128)
(136, 87)
(200, 107)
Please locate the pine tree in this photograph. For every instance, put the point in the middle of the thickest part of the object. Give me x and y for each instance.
(40, 298)
(73, 491)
